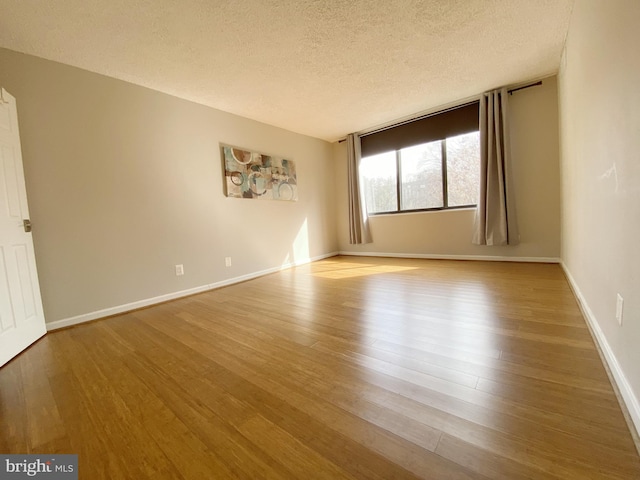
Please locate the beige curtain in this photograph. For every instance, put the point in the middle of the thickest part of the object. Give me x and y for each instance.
(358, 222)
(495, 222)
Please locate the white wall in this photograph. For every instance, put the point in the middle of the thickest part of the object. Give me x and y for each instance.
(534, 129)
(599, 92)
(125, 182)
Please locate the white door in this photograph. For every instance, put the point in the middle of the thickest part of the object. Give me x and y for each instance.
(21, 317)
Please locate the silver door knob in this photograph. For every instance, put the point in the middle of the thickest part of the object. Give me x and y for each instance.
(27, 225)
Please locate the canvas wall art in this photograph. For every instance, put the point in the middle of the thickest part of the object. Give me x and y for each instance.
(254, 175)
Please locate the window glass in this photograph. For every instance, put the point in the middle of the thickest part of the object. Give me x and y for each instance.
(421, 168)
(463, 169)
(379, 177)
(415, 178)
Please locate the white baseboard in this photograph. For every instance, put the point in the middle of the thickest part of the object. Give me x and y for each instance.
(455, 257)
(624, 388)
(87, 317)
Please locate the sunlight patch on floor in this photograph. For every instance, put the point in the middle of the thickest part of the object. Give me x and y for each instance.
(359, 270)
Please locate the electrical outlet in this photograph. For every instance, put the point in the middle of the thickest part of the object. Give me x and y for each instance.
(179, 270)
(227, 261)
(619, 306)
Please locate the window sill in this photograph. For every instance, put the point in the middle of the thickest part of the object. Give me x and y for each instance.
(424, 210)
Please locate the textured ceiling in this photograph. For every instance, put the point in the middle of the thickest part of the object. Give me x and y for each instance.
(318, 67)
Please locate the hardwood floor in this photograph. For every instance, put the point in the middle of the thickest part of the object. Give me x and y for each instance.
(345, 368)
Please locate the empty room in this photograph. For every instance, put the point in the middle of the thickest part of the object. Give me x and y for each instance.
(320, 239)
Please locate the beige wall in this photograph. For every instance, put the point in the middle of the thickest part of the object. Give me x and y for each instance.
(599, 91)
(125, 182)
(534, 144)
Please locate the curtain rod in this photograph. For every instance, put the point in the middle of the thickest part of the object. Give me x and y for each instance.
(539, 82)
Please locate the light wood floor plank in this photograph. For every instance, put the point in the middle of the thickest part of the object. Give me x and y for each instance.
(354, 368)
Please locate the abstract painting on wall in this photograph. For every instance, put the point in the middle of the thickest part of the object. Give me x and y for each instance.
(254, 175)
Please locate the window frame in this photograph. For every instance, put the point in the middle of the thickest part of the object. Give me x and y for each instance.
(445, 187)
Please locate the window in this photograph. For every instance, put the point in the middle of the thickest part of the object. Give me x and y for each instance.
(434, 175)
(432, 163)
